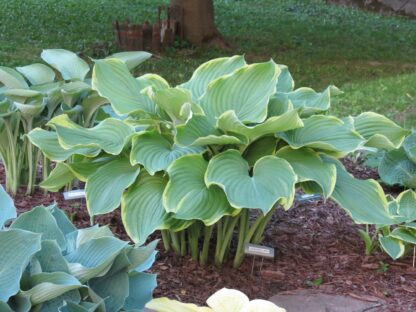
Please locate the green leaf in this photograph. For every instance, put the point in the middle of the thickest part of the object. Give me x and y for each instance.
(94, 232)
(364, 200)
(48, 143)
(47, 286)
(262, 147)
(11, 79)
(105, 186)
(17, 247)
(210, 71)
(379, 131)
(90, 104)
(188, 197)
(285, 81)
(30, 111)
(141, 286)
(70, 65)
(111, 135)
(407, 205)
(396, 168)
(394, 247)
(272, 180)
(59, 177)
(156, 152)
(40, 220)
(72, 91)
(7, 209)
(324, 132)
(229, 123)
(85, 168)
(246, 91)
(132, 59)
(403, 234)
(278, 106)
(152, 80)
(409, 146)
(23, 95)
(113, 80)
(310, 167)
(142, 208)
(171, 101)
(37, 73)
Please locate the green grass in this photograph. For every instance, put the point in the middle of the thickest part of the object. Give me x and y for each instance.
(366, 54)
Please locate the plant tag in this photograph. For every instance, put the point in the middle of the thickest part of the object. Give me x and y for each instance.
(308, 197)
(75, 194)
(258, 250)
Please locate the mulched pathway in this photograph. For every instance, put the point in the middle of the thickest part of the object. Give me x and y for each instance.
(313, 241)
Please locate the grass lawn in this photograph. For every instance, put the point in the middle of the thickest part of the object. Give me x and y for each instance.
(371, 57)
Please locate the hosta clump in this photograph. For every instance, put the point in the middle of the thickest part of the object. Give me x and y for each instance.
(195, 160)
(31, 95)
(49, 265)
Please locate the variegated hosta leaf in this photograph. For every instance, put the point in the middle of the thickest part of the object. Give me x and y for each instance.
(407, 205)
(171, 101)
(409, 146)
(364, 200)
(39, 220)
(262, 147)
(230, 300)
(47, 286)
(90, 104)
(168, 305)
(211, 70)
(70, 65)
(379, 131)
(132, 59)
(187, 196)
(85, 168)
(324, 132)
(246, 91)
(229, 123)
(72, 91)
(310, 167)
(392, 246)
(7, 209)
(30, 110)
(156, 152)
(94, 258)
(59, 177)
(142, 209)
(106, 185)
(37, 73)
(285, 81)
(308, 100)
(112, 79)
(152, 80)
(404, 234)
(262, 305)
(199, 131)
(11, 79)
(23, 95)
(17, 247)
(396, 168)
(111, 135)
(48, 143)
(271, 181)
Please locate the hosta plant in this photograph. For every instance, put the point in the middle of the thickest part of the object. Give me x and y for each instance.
(48, 265)
(215, 155)
(224, 300)
(31, 95)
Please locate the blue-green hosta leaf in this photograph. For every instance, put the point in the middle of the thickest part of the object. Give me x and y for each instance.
(262, 147)
(152, 80)
(141, 258)
(156, 152)
(85, 306)
(48, 143)
(90, 104)
(7, 209)
(285, 81)
(40, 220)
(59, 177)
(379, 131)
(5, 307)
(310, 167)
(324, 132)
(229, 123)
(47, 286)
(72, 91)
(211, 70)
(94, 258)
(246, 91)
(17, 247)
(37, 73)
(30, 111)
(171, 101)
(272, 180)
(132, 59)
(392, 246)
(407, 205)
(96, 231)
(112, 79)
(56, 303)
(111, 135)
(11, 79)
(62, 220)
(396, 168)
(188, 197)
(364, 200)
(199, 131)
(105, 186)
(50, 257)
(141, 286)
(405, 235)
(409, 145)
(23, 95)
(277, 107)
(70, 65)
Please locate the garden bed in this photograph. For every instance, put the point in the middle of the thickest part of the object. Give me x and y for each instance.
(316, 244)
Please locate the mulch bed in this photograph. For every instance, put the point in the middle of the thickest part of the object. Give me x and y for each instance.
(313, 241)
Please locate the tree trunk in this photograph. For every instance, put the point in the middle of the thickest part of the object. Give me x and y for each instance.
(198, 22)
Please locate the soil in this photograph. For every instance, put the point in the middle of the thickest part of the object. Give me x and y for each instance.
(316, 244)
